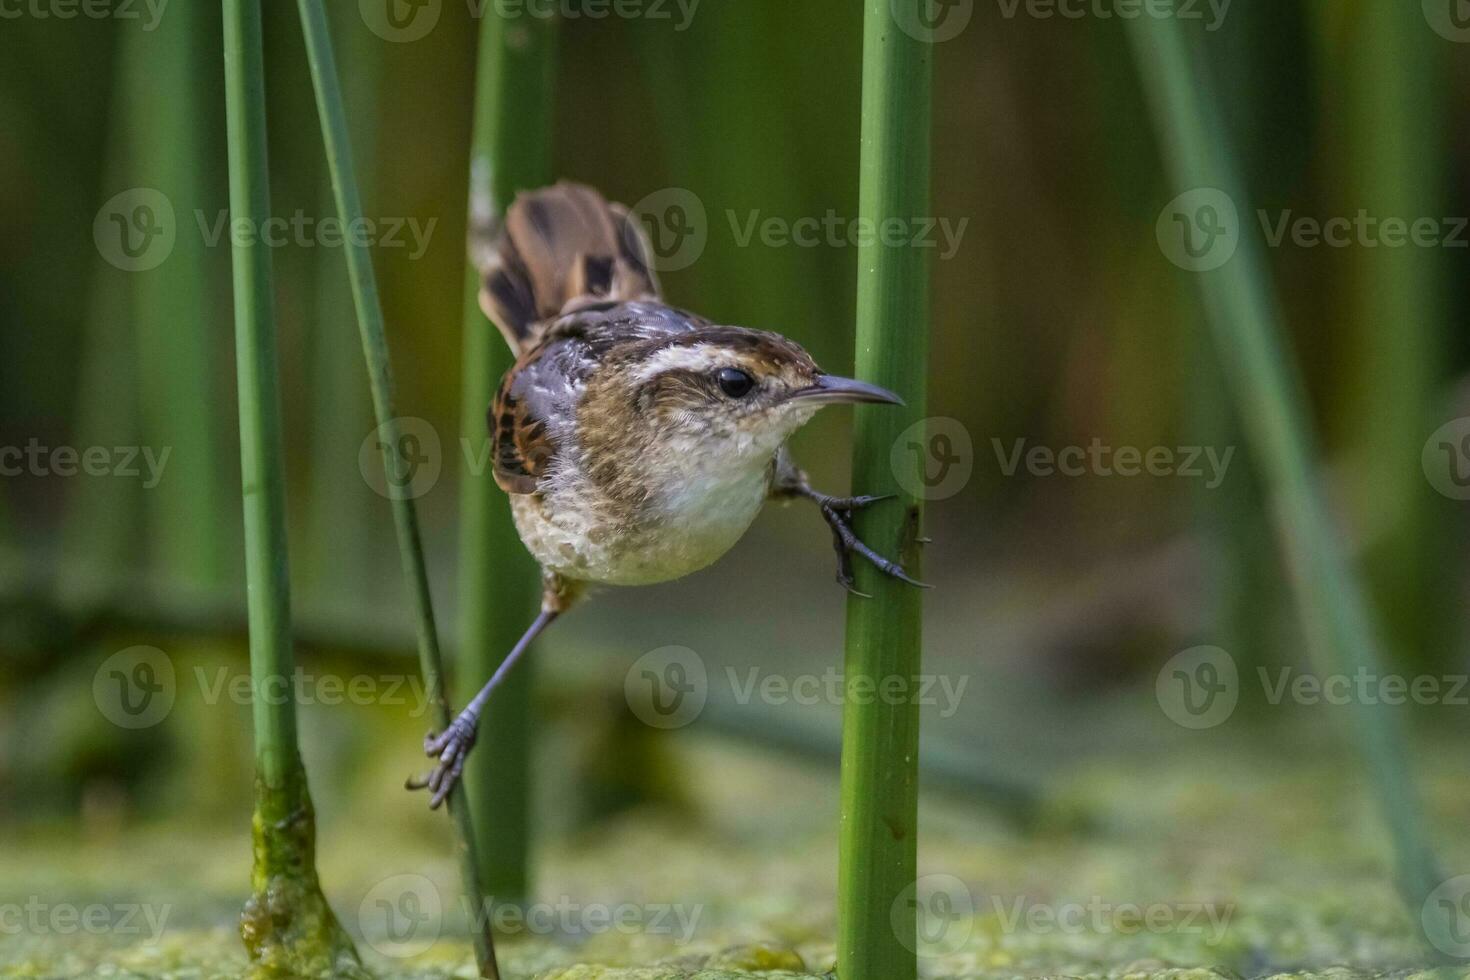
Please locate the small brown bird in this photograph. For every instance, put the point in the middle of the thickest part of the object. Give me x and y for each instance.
(637, 441)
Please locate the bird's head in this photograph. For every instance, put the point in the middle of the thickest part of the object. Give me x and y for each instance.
(731, 391)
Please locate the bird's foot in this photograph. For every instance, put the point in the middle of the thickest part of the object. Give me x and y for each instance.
(451, 747)
(838, 512)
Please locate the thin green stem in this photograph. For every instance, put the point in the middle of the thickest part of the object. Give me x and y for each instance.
(497, 579)
(1270, 398)
(390, 437)
(876, 931)
(342, 510)
(287, 925)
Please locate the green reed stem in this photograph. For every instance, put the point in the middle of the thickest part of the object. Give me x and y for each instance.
(1270, 398)
(878, 856)
(511, 152)
(287, 925)
(379, 365)
(255, 338)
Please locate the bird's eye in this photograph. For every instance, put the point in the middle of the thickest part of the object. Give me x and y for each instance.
(734, 382)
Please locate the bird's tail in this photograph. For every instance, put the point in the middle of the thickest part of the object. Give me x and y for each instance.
(560, 247)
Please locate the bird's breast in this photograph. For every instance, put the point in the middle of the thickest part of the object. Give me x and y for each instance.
(690, 514)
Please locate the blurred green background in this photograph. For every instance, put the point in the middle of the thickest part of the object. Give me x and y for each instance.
(1058, 320)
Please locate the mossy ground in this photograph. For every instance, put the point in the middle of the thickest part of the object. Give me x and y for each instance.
(1224, 854)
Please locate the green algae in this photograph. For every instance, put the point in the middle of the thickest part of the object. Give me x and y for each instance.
(584, 972)
(287, 926)
(1286, 846)
(757, 959)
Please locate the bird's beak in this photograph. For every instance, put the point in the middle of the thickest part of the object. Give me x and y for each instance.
(832, 389)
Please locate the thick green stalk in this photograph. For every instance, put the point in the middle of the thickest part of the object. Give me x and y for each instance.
(375, 349)
(497, 579)
(287, 925)
(1269, 396)
(176, 356)
(876, 932)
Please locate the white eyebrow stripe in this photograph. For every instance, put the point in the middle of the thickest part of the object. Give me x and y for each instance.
(697, 357)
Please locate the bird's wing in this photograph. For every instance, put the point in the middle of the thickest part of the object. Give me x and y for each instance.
(535, 409)
(536, 401)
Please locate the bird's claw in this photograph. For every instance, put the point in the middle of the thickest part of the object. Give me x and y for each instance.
(849, 504)
(838, 512)
(451, 747)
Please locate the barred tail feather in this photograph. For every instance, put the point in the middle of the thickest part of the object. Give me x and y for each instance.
(558, 248)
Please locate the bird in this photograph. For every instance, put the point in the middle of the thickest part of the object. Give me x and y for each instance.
(637, 441)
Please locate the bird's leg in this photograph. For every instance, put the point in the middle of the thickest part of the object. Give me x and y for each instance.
(790, 481)
(452, 746)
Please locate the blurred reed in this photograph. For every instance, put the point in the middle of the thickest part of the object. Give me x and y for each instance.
(498, 581)
(1243, 570)
(1387, 98)
(99, 522)
(174, 349)
(390, 437)
(343, 510)
(1261, 373)
(287, 925)
(878, 849)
